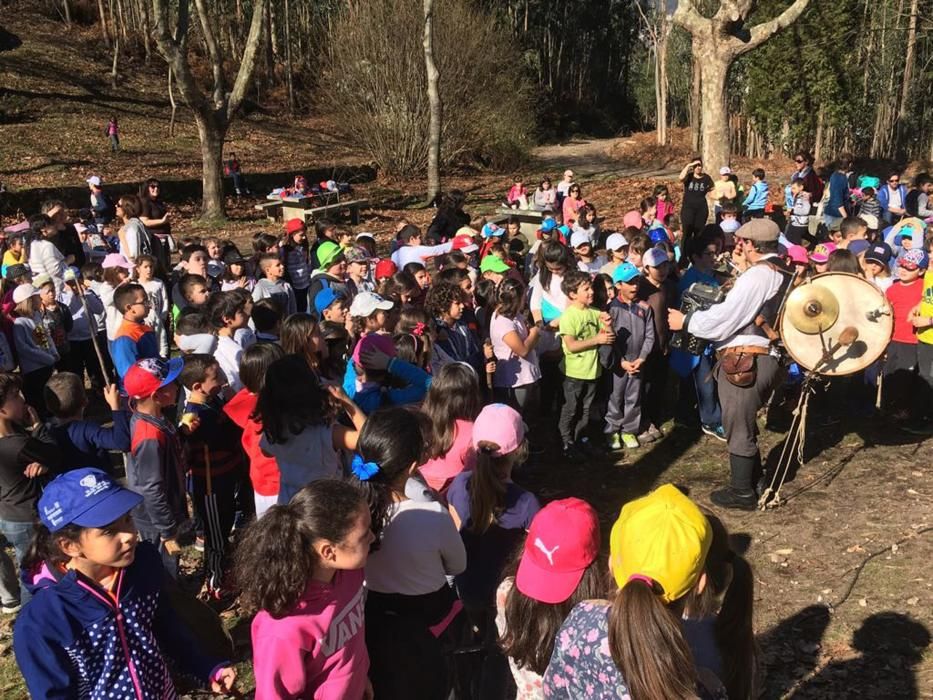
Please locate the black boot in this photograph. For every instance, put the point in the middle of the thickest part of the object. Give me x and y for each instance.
(740, 495)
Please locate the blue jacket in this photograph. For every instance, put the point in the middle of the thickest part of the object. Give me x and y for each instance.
(73, 640)
(884, 196)
(374, 396)
(84, 443)
(757, 196)
(838, 194)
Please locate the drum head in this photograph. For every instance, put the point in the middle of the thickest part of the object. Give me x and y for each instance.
(856, 338)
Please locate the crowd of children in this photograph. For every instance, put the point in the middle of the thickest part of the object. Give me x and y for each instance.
(340, 432)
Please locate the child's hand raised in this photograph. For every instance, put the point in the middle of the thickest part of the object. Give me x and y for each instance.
(189, 423)
(374, 359)
(337, 393)
(112, 397)
(223, 680)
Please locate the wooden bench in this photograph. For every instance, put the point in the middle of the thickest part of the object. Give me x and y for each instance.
(270, 209)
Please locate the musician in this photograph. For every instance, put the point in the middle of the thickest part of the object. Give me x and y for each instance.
(748, 369)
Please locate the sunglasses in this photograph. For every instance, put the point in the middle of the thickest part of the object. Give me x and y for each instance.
(894, 181)
(797, 160)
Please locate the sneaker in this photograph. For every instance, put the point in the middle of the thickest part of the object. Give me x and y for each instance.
(736, 500)
(615, 442)
(630, 441)
(646, 437)
(655, 432)
(716, 431)
(11, 609)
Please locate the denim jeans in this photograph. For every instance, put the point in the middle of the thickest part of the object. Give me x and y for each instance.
(19, 535)
(705, 384)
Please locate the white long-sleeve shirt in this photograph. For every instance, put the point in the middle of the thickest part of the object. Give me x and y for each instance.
(722, 323)
(419, 253)
(46, 259)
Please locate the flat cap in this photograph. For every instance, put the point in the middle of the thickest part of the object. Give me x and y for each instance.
(759, 230)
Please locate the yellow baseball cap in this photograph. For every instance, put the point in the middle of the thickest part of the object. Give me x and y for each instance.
(662, 536)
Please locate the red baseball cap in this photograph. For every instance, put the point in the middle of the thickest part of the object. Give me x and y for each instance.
(385, 268)
(562, 541)
(294, 225)
(149, 375)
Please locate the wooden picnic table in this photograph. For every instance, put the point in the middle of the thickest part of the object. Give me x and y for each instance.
(308, 208)
(529, 219)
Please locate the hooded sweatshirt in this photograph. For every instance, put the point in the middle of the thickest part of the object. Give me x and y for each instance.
(263, 470)
(318, 650)
(74, 640)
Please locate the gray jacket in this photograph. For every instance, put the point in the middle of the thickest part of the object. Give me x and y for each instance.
(633, 325)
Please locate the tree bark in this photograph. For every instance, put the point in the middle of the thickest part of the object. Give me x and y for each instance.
(211, 132)
(434, 104)
(696, 124)
(906, 86)
(103, 23)
(171, 99)
(116, 59)
(714, 69)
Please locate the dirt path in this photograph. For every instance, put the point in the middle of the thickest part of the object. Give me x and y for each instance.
(591, 159)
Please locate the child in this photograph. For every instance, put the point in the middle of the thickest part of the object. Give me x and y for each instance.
(115, 271)
(235, 274)
(757, 198)
(664, 207)
(490, 510)
(301, 336)
(215, 460)
(157, 319)
(324, 231)
(193, 291)
(271, 284)
(34, 348)
(558, 567)
(101, 207)
(15, 254)
(517, 197)
(94, 584)
(44, 257)
(155, 465)
(587, 260)
(358, 272)
(28, 456)
(308, 636)
(373, 364)
(583, 329)
(409, 604)
(215, 263)
(729, 223)
(563, 187)
(798, 226)
(134, 340)
(267, 320)
(452, 404)
(227, 314)
(517, 374)
(617, 248)
(820, 256)
(412, 250)
(113, 133)
(368, 312)
(298, 427)
(900, 364)
(658, 291)
(588, 224)
(263, 470)
(545, 196)
(658, 550)
(297, 264)
(195, 335)
(330, 307)
(56, 317)
(870, 206)
(633, 326)
(87, 328)
(84, 443)
(445, 303)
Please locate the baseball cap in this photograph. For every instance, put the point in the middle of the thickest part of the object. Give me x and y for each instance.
(858, 246)
(356, 255)
(871, 221)
(463, 240)
(324, 298)
(367, 303)
(385, 268)
(879, 253)
(41, 280)
(658, 235)
(615, 241)
(580, 238)
(632, 219)
(500, 424)
(365, 234)
(93, 180)
(375, 341)
(725, 170)
(86, 497)
(17, 270)
(759, 230)
(294, 225)
(730, 225)
(145, 377)
(562, 542)
(654, 257)
(625, 272)
(493, 263)
(548, 225)
(116, 260)
(821, 252)
(23, 292)
(328, 253)
(798, 254)
(663, 536)
(492, 230)
(913, 259)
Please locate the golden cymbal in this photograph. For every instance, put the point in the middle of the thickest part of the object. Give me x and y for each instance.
(811, 308)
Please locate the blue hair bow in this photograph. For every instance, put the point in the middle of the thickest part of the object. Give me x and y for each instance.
(364, 471)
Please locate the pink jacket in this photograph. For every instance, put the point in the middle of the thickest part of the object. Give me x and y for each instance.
(318, 650)
(440, 471)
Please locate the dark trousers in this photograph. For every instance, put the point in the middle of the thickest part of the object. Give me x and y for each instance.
(900, 390)
(740, 405)
(525, 399)
(705, 385)
(693, 220)
(301, 300)
(654, 376)
(754, 214)
(147, 533)
(34, 389)
(216, 509)
(925, 386)
(797, 234)
(83, 358)
(575, 414)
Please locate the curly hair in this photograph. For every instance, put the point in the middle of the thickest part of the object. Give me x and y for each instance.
(440, 297)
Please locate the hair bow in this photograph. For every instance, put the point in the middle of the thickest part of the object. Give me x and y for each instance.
(364, 471)
(419, 329)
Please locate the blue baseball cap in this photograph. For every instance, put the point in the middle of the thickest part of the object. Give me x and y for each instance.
(548, 225)
(625, 272)
(324, 298)
(492, 230)
(87, 497)
(658, 235)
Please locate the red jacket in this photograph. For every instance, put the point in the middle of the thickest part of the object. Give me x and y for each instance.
(263, 471)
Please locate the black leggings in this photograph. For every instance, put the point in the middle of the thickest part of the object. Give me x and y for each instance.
(693, 219)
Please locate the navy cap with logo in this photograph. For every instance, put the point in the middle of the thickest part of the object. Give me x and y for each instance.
(879, 253)
(86, 497)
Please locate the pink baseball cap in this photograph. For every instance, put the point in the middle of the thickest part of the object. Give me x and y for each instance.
(798, 255)
(562, 541)
(821, 252)
(633, 219)
(374, 341)
(499, 424)
(116, 260)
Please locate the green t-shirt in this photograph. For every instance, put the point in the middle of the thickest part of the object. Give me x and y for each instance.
(581, 324)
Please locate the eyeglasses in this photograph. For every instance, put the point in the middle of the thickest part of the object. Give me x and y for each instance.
(799, 160)
(153, 187)
(894, 180)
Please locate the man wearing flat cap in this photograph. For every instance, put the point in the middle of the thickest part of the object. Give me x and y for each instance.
(741, 329)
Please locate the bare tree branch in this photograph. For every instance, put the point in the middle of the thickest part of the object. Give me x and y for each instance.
(248, 61)
(688, 17)
(213, 50)
(764, 31)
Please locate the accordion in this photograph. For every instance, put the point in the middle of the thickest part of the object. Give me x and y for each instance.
(698, 297)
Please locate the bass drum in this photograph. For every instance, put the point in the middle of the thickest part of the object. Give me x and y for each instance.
(836, 323)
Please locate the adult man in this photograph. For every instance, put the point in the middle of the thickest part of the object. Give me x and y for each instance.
(739, 328)
(892, 197)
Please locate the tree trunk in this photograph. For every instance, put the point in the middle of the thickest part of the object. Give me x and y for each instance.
(288, 60)
(664, 32)
(906, 87)
(696, 124)
(66, 8)
(103, 23)
(211, 133)
(818, 144)
(715, 147)
(434, 103)
(171, 99)
(116, 59)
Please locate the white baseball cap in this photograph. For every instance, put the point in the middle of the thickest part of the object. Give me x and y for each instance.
(725, 170)
(654, 257)
(870, 220)
(23, 292)
(580, 238)
(616, 241)
(94, 180)
(367, 303)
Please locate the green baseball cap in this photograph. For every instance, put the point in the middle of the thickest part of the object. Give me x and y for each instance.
(493, 263)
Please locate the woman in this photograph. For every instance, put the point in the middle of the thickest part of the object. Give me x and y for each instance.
(134, 238)
(449, 218)
(572, 204)
(695, 209)
(155, 218)
(546, 304)
(44, 257)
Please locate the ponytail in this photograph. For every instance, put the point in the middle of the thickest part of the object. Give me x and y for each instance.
(44, 547)
(488, 483)
(735, 635)
(647, 644)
